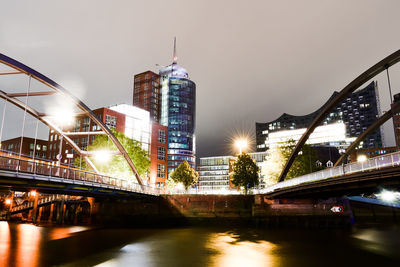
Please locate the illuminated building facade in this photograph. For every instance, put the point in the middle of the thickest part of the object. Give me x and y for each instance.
(396, 122)
(178, 108)
(346, 122)
(158, 154)
(31, 147)
(214, 171)
(133, 121)
(147, 93)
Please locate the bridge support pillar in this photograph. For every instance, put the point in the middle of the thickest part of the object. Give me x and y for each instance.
(51, 212)
(61, 211)
(91, 212)
(35, 207)
(39, 214)
(11, 205)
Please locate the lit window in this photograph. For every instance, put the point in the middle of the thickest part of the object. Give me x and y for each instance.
(160, 171)
(161, 153)
(111, 121)
(161, 136)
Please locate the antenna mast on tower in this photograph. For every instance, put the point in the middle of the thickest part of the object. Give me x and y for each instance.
(175, 58)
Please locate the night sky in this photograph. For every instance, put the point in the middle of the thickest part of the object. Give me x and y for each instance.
(251, 60)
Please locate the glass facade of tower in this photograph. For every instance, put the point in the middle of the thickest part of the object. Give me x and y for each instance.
(178, 113)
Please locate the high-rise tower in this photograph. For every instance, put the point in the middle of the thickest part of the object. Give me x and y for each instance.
(147, 94)
(178, 112)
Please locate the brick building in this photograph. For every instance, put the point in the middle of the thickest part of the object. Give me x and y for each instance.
(134, 122)
(28, 147)
(147, 93)
(158, 154)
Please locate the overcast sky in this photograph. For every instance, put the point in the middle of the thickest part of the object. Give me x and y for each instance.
(251, 60)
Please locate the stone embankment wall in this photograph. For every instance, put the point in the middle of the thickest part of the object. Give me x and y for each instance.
(222, 210)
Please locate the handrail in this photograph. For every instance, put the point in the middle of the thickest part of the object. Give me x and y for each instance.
(73, 174)
(376, 163)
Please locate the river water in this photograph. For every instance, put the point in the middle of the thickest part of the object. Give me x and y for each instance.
(30, 245)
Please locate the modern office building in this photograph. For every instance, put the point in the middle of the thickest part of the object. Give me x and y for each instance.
(396, 122)
(215, 171)
(178, 112)
(147, 93)
(346, 122)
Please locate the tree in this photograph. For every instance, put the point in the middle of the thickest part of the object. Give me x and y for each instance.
(245, 172)
(304, 163)
(185, 174)
(273, 165)
(117, 166)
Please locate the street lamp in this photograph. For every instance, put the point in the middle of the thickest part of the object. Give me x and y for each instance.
(362, 158)
(241, 144)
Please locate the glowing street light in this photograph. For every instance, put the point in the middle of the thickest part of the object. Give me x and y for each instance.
(63, 117)
(241, 144)
(8, 201)
(362, 158)
(102, 156)
(33, 193)
(388, 196)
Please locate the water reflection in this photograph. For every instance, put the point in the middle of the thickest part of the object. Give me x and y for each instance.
(380, 241)
(4, 243)
(63, 232)
(232, 252)
(28, 245)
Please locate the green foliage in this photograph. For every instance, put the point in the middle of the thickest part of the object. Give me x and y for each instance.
(117, 165)
(273, 165)
(304, 163)
(245, 172)
(184, 174)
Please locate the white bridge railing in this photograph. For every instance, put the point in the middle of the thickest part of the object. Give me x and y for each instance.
(39, 168)
(388, 160)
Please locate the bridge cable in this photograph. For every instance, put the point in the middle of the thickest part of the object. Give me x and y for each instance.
(88, 140)
(390, 87)
(391, 103)
(2, 121)
(34, 146)
(23, 122)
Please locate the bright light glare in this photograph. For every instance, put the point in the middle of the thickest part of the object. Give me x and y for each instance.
(33, 193)
(8, 201)
(180, 186)
(63, 117)
(362, 158)
(241, 144)
(102, 156)
(388, 196)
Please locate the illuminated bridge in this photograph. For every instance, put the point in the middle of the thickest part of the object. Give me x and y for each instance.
(354, 178)
(35, 105)
(359, 177)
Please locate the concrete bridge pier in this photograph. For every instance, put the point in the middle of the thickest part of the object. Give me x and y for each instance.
(60, 211)
(34, 213)
(50, 219)
(91, 208)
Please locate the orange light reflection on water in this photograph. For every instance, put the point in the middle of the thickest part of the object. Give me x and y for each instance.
(63, 232)
(232, 252)
(4, 243)
(28, 243)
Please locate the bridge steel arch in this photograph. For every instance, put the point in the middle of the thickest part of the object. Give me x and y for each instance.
(351, 87)
(20, 68)
(384, 118)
